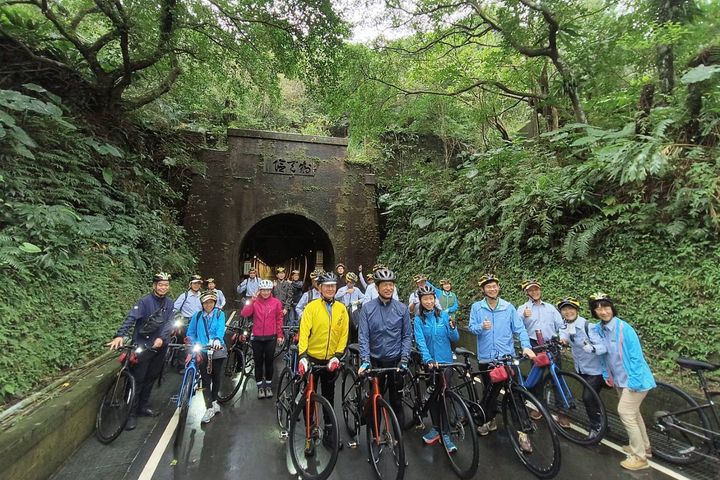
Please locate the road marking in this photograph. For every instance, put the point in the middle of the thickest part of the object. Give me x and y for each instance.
(154, 460)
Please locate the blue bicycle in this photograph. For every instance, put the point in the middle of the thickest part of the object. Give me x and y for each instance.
(577, 412)
(190, 384)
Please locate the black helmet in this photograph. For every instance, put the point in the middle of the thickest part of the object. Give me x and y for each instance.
(425, 290)
(161, 277)
(327, 278)
(384, 275)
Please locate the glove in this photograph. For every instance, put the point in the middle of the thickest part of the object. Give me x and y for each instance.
(589, 348)
(303, 366)
(363, 367)
(333, 364)
(403, 365)
(216, 344)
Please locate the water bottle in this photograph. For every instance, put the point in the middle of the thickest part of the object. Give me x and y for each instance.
(539, 337)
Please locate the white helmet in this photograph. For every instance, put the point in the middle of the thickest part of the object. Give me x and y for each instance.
(265, 285)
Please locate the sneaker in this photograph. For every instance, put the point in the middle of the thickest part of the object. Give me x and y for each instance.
(525, 444)
(261, 392)
(268, 392)
(484, 429)
(535, 414)
(492, 425)
(216, 407)
(209, 413)
(431, 437)
(449, 445)
(563, 420)
(627, 449)
(634, 462)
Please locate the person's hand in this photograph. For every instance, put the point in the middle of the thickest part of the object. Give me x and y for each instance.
(115, 343)
(486, 324)
(216, 344)
(528, 352)
(285, 310)
(609, 382)
(333, 364)
(363, 367)
(589, 348)
(527, 313)
(359, 268)
(158, 343)
(431, 365)
(403, 365)
(302, 366)
(564, 341)
(452, 324)
(280, 340)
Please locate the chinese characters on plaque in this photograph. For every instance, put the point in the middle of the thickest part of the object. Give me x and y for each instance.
(290, 167)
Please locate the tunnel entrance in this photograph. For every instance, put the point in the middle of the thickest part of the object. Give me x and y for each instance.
(286, 240)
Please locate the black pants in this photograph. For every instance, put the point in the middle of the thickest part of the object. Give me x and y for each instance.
(491, 391)
(437, 410)
(394, 382)
(593, 409)
(263, 351)
(211, 381)
(146, 371)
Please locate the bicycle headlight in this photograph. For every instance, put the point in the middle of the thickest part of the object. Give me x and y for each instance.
(138, 350)
(247, 302)
(178, 323)
(516, 362)
(196, 348)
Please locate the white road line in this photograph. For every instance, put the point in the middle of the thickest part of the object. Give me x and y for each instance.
(154, 460)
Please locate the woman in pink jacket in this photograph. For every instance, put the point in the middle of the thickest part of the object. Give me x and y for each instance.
(267, 315)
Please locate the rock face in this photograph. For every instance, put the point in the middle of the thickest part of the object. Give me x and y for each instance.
(289, 199)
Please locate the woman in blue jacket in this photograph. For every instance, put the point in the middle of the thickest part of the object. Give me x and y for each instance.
(434, 331)
(625, 368)
(207, 328)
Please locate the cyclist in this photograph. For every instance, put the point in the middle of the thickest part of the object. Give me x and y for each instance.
(267, 318)
(282, 290)
(312, 294)
(420, 281)
(447, 298)
(340, 272)
(188, 303)
(322, 340)
(495, 321)
(385, 337)
(625, 368)
(151, 319)
(434, 332)
(586, 351)
(207, 328)
(371, 292)
(543, 319)
(352, 298)
(211, 286)
(297, 292)
(249, 287)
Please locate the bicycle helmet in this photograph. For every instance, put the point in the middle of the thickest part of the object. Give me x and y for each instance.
(327, 278)
(279, 269)
(488, 278)
(195, 278)
(294, 272)
(599, 298)
(316, 273)
(378, 266)
(369, 276)
(569, 301)
(530, 283)
(339, 265)
(351, 277)
(208, 295)
(445, 281)
(161, 277)
(384, 275)
(420, 277)
(265, 285)
(425, 290)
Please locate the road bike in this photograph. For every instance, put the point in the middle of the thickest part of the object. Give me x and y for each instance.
(681, 430)
(117, 403)
(190, 384)
(287, 389)
(240, 363)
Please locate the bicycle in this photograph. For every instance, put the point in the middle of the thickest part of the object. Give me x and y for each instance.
(567, 394)
(456, 420)
(172, 360)
(283, 347)
(681, 430)
(313, 432)
(351, 393)
(239, 364)
(287, 389)
(535, 442)
(117, 402)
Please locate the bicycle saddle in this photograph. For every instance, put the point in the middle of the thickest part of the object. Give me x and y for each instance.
(354, 348)
(464, 352)
(696, 365)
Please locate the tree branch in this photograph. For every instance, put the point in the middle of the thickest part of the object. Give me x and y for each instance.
(162, 88)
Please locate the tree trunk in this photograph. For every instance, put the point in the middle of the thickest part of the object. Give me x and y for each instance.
(666, 68)
(644, 106)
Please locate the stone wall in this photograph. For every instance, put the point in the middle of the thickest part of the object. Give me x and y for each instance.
(267, 173)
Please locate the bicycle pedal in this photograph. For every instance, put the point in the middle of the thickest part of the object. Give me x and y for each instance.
(420, 426)
(284, 435)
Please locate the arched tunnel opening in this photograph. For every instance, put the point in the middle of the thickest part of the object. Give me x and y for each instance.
(285, 240)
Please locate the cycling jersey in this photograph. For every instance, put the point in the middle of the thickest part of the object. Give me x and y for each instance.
(323, 330)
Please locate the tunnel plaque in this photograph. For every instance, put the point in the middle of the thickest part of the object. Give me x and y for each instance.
(281, 166)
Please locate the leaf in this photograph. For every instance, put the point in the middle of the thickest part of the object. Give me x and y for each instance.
(107, 175)
(29, 248)
(699, 74)
(422, 222)
(6, 118)
(34, 87)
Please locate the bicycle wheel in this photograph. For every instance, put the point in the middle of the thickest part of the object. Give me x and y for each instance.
(184, 402)
(461, 431)
(115, 407)
(313, 438)
(249, 366)
(281, 347)
(284, 398)
(535, 442)
(412, 402)
(233, 375)
(575, 401)
(386, 453)
(465, 387)
(350, 402)
(662, 411)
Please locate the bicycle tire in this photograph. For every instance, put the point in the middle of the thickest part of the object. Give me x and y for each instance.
(324, 452)
(411, 402)
(350, 406)
(281, 347)
(184, 402)
(234, 371)
(466, 389)
(115, 407)
(466, 459)
(249, 359)
(393, 466)
(667, 441)
(582, 431)
(544, 459)
(284, 398)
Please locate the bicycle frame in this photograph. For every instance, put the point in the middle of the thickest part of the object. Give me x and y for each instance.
(375, 389)
(537, 374)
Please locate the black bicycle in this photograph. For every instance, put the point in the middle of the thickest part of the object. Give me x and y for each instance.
(681, 430)
(117, 402)
(287, 388)
(240, 363)
(534, 441)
